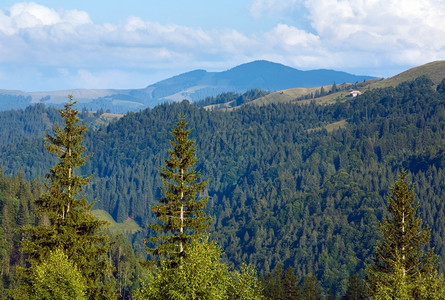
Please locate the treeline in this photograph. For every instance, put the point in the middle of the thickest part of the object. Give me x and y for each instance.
(232, 99)
(279, 192)
(18, 125)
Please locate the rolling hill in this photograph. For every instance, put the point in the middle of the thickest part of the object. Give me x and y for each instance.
(434, 70)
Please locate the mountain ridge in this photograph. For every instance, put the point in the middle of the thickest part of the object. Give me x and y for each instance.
(193, 85)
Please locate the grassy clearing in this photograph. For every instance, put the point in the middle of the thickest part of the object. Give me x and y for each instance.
(104, 119)
(127, 227)
(286, 96)
(330, 127)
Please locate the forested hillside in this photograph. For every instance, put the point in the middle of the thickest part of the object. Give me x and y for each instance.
(283, 189)
(16, 209)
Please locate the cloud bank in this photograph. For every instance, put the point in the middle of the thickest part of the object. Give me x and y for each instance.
(44, 48)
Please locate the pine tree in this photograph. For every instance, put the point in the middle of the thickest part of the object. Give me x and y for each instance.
(290, 281)
(68, 224)
(334, 88)
(311, 287)
(189, 266)
(182, 217)
(278, 290)
(356, 290)
(400, 264)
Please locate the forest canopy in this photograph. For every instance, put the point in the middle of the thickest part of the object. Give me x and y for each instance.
(283, 188)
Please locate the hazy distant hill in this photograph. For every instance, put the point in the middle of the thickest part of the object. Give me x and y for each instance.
(194, 85)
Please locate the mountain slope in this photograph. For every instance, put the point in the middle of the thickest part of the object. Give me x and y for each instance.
(194, 85)
(300, 186)
(434, 70)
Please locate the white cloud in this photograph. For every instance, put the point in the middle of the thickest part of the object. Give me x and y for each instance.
(340, 34)
(29, 15)
(286, 35)
(6, 24)
(405, 31)
(152, 33)
(364, 35)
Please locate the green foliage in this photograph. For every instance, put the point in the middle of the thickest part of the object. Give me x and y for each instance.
(400, 263)
(356, 289)
(127, 270)
(17, 197)
(69, 224)
(201, 276)
(245, 284)
(190, 266)
(231, 99)
(397, 285)
(311, 288)
(441, 87)
(14, 101)
(55, 277)
(182, 217)
(279, 192)
(290, 281)
(274, 287)
(30, 122)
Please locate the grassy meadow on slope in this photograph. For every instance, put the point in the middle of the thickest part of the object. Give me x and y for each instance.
(129, 226)
(434, 70)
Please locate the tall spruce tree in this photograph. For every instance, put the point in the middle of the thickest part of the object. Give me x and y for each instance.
(401, 269)
(67, 221)
(311, 287)
(290, 284)
(181, 215)
(356, 289)
(189, 265)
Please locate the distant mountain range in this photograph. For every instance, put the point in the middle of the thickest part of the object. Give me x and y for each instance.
(194, 85)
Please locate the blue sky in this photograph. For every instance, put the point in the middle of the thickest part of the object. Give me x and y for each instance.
(55, 45)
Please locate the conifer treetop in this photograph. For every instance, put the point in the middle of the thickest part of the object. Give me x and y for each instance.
(181, 214)
(399, 258)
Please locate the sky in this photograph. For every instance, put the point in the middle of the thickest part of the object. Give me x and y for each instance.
(57, 45)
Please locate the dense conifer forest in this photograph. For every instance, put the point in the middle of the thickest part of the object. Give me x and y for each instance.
(287, 194)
